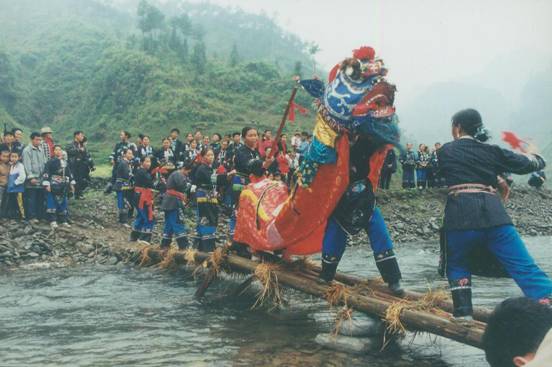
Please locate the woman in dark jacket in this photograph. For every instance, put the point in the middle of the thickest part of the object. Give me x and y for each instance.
(143, 198)
(422, 165)
(246, 162)
(57, 180)
(479, 236)
(165, 156)
(206, 180)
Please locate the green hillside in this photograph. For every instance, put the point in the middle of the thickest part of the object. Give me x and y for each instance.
(86, 65)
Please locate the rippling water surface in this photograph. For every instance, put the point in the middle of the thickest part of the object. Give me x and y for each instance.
(122, 316)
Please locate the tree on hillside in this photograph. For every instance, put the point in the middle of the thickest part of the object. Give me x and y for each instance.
(174, 41)
(151, 22)
(181, 28)
(313, 49)
(234, 56)
(199, 56)
(183, 24)
(182, 51)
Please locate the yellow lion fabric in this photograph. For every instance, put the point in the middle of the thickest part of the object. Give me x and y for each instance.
(323, 132)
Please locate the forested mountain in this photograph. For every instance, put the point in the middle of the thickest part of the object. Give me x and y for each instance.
(102, 66)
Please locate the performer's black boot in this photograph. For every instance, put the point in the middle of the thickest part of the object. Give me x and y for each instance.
(123, 216)
(329, 267)
(134, 236)
(182, 243)
(206, 245)
(388, 267)
(462, 298)
(165, 243)
(240, 249)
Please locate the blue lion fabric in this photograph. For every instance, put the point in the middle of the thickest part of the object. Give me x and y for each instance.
(386, 129)
(315, 87)
(316, 154)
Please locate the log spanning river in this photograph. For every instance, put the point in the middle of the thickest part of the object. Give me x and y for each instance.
(122, 315)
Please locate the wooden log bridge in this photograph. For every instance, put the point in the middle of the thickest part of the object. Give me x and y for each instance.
(430, 312)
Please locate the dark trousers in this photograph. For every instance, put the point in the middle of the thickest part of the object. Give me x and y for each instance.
(81, 173)
(34, 202)
(56, 207)
(14, 205)
(408, 178)
(173, 225)
(385, 179)
(143, 223)
(3, 201)
(421, 177)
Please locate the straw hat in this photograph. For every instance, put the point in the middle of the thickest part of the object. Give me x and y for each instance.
(46, 130)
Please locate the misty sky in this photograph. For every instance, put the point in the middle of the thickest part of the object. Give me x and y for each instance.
(421, 41)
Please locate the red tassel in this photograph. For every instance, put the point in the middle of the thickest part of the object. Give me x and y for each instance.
(291, 113)
(294, 106)
(513, 140)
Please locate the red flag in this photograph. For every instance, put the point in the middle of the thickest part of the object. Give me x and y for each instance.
(512, 139)
(294, 106)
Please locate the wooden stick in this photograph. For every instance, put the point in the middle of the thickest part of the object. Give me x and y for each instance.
(479, 313)
(282, 124)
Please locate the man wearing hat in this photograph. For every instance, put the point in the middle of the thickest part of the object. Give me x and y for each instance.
(47, 142)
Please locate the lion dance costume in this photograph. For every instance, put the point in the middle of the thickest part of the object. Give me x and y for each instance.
(333, 198)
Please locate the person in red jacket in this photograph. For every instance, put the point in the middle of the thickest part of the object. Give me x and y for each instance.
(282, 158)
(266, 143)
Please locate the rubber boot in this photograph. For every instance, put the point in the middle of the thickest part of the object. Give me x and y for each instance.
(123, 216)
(134, 236)
(462, 298)
(182, 243)
(388, 267)
(206, 245)
(329, 267)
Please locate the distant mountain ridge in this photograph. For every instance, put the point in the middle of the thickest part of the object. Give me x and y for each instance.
(86, 65)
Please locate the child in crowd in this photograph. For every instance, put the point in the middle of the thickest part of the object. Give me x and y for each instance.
(4, 174)
(16, 187)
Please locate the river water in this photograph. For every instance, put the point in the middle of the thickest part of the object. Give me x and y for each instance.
(122, 316)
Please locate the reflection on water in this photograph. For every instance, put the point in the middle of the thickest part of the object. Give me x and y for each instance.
(105, 316)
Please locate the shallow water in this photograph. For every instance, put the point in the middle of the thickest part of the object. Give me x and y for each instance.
(121, 316)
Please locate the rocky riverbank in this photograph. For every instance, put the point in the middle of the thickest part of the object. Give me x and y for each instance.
(414, 215)
(95, 236)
